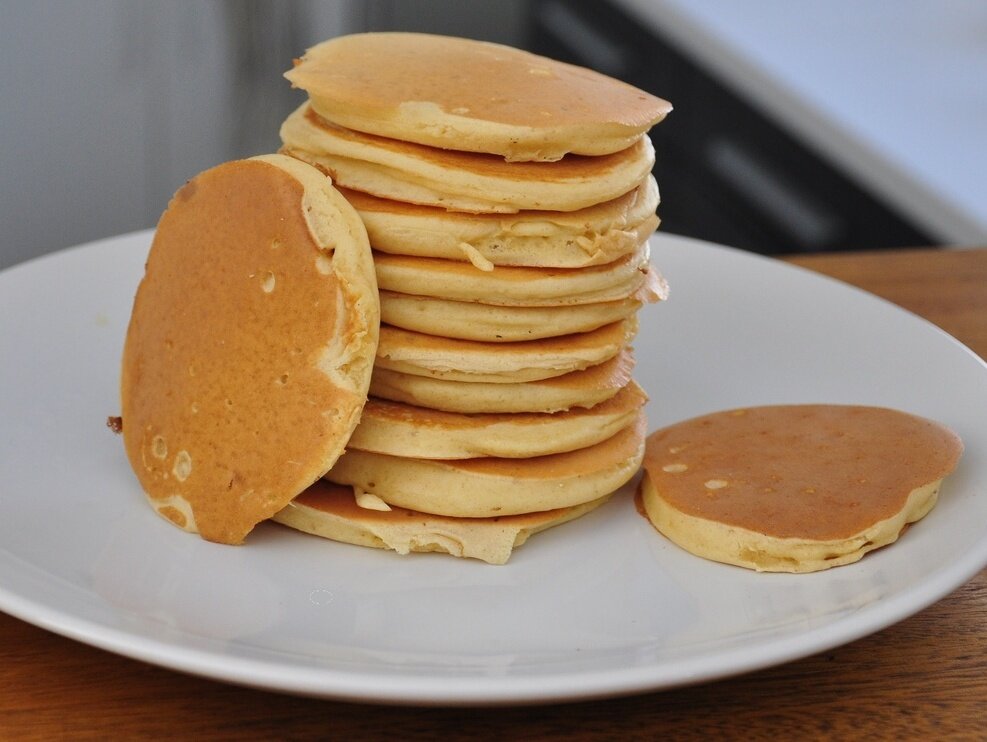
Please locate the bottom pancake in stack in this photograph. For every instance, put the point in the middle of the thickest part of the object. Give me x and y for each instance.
(329, 510)
(550, 469)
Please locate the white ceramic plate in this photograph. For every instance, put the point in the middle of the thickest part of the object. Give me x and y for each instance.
(598, 607)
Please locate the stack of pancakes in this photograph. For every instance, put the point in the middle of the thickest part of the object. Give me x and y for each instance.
(508, 199)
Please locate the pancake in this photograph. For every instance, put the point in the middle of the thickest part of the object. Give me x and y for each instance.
(577, 389)
(330, 511)
(492, 324)
(550, 239)
(514, 286)
(794, 488)
(488, 487)
(461, 181)
(250, 345)
(468, 360)
(399, 429)
(472, 95)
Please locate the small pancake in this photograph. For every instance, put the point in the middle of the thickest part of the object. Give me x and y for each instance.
(250, 345)
(488, 487)
(577, 389)
(500, 363)
(492, 324)
(462, 181)
(330, 511)
(549, 239)
(473, 95)
(399, 429)
(794, 488)
(530, 287)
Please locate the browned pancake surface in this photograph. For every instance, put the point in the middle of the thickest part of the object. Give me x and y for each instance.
(223, 405)
(470, 79)
(631, 397)
(571, 168)
(584, 461)
(338, 499)
(365, 202)
(396, 339)
(819, 472)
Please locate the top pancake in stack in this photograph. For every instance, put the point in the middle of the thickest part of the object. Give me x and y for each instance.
(508, 198)
(472, 96)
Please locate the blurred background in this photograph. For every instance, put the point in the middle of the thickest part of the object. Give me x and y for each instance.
(798, 127)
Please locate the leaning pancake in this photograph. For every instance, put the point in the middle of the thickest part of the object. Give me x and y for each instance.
(399, 429)
(487, 487)
(577, 389)
(552, 239)
(494, 324)
(250, 346)
(462, 181)
(471, 361)
(514, 286)
(794, 488)
(330, 511)
(473, 95)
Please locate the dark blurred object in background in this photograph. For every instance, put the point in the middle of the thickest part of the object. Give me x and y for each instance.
(726, 172)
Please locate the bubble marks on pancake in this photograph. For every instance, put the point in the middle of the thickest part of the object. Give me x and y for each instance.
(794, 488)
(250, 346)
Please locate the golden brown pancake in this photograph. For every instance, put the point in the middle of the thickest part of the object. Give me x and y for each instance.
(489, 323)
(330, 511)
(585, 388)
(488, 487)
(250, 345)
(399, 429)
(550, 239)
(472, 95)
(461, 181)
(794, 488)
(504, 363)
(530, 287)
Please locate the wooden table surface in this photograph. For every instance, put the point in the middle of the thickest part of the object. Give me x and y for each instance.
(924, 677)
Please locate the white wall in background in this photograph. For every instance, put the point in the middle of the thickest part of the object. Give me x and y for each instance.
(107, 106)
